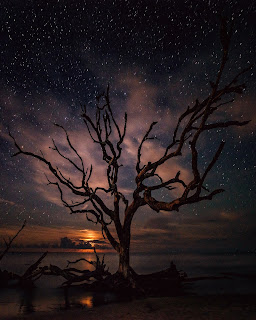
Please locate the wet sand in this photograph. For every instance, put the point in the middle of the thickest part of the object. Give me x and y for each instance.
(178, 308)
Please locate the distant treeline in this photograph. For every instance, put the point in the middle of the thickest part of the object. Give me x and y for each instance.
(69, 244)
(65, 243)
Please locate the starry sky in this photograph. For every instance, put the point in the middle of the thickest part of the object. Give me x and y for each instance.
(157, 57)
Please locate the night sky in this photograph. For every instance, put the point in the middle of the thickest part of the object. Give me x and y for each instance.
(158, 57)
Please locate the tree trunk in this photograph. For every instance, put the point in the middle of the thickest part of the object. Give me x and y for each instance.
(124, 259)
(124, 268)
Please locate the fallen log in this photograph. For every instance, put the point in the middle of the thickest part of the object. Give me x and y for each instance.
(29, 273)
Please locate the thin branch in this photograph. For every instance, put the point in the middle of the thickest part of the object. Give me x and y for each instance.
(50, 166)
(70, 145)
(194, 121)
(9, 243)
(138, 169)
(225, 124)
(211, 164)
(64, 157)
(168, 182)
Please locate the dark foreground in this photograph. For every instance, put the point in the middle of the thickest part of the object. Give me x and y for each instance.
(178, 308)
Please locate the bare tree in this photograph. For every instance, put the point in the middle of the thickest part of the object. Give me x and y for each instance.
(104, 129)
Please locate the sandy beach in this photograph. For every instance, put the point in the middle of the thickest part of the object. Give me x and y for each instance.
(184, 307)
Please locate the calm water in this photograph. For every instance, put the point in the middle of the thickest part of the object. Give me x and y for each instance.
(49, 296)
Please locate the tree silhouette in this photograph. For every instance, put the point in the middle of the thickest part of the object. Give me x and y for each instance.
(104, 129)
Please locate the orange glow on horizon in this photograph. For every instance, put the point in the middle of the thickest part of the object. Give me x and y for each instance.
(47, 235)
(90, 235)
(99, 250)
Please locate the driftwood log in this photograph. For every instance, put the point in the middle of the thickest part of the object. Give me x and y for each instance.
(74, 275)
(71, 275)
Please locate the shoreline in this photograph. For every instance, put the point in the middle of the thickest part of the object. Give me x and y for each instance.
(161, 308)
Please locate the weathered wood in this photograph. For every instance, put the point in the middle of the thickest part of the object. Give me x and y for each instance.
(29, 272)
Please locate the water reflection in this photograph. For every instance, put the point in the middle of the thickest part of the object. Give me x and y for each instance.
(27, 300)
(87, 302)
(39, 299)
(77, 297)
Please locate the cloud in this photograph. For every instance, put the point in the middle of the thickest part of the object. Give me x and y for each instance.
(141, 100)
(229, 216)
(140, 103)
(67, 243)
(160, 223)
(8, 202)
(189, 232)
